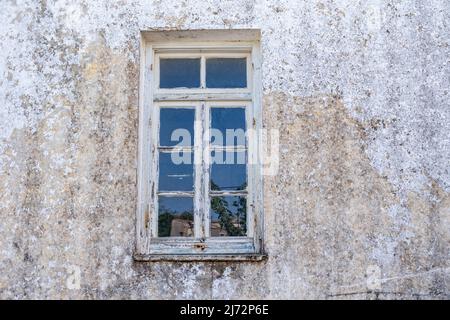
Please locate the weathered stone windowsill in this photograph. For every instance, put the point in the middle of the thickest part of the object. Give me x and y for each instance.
(200, 257)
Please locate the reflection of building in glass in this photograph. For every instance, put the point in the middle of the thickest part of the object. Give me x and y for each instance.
(218, 231)
(181, 228)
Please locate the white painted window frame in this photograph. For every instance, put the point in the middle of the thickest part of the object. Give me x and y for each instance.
(200, 247)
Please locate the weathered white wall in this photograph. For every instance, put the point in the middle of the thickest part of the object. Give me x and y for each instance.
(358, 89)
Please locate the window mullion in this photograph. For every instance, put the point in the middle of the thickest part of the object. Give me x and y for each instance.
(198, 193)
(205, 167)
(202, 72)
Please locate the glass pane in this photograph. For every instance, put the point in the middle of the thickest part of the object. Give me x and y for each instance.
(175, 217)
(176, 171)
(226, 73)
(228, 171)
(179, 73)
(228, 126)
(176, 124)
(228, 216)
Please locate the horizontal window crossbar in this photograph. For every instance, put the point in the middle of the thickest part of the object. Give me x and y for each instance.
(175, 149)
(228, 148)
(212, 148)
(205, 50)
(228, 193)
(202, 96)
(176, 193)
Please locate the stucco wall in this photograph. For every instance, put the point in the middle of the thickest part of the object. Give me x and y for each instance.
(358, 89)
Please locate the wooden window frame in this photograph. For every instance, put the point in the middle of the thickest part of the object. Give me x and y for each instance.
(151, 98)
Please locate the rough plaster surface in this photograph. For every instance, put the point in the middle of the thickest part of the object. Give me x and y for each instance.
(358, 89)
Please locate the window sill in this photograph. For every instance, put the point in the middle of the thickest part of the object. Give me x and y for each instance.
(246, 257)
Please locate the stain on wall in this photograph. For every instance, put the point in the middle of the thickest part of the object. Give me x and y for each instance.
(358, 90)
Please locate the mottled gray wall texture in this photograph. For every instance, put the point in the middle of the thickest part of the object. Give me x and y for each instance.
(359, 91)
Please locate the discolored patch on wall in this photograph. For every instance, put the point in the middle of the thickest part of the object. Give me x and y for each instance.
(330, 215)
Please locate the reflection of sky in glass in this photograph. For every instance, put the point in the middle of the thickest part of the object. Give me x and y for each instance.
(175, 177)
(179, 73)
(228, 216)
(226, 73)
(228, 118)
(176, 204)
(230, 173)
(172, 119)
(176, 216)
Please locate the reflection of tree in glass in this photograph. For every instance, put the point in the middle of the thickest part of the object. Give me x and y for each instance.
(165, 220)
(233, 225)
(241, 214)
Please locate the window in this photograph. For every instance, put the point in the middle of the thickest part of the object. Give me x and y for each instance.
(199, 178)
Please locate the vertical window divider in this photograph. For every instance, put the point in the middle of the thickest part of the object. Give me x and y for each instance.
(206, 167)
(154, 170)
(202, 72)
(250, 168)
(198, 168)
